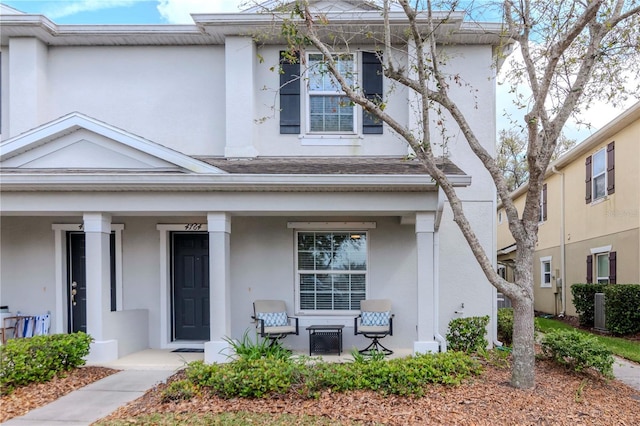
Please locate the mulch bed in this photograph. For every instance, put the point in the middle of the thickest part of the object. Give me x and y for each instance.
(559, 398)
(26, 398)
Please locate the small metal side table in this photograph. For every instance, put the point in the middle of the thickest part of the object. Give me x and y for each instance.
(325, 339)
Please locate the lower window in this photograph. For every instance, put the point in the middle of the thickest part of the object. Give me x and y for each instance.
(545, 271)
(331, 271)
(602, 268)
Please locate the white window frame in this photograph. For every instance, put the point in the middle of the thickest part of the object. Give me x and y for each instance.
(547, 260)
(602, 175)
(338, 92)
(324, 227)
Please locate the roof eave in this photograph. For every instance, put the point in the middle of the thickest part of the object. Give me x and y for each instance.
(100, 182)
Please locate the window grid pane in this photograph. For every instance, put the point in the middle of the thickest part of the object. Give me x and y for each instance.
(602, 268)
(332, 270)
(599, 175)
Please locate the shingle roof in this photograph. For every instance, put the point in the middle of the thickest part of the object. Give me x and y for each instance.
(329, 165)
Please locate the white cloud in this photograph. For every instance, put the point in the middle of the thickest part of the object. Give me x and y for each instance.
(178, 11)
(61, 9)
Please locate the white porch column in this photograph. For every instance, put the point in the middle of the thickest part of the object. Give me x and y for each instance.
(219, 227)
(97, 228)
(240, 56)
(425, 229)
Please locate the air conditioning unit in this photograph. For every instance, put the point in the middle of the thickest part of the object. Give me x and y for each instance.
(599, 317)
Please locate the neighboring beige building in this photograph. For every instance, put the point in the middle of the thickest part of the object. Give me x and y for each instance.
(589, 217)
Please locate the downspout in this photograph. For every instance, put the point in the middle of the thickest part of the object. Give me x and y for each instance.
(563, 291)
(436, 273)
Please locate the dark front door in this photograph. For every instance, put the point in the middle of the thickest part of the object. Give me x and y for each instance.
(190, 286)
(77, 280)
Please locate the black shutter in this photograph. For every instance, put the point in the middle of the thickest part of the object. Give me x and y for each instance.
(544, 202)
(587, 180)
(289, 95)
(612, 267)
(611, 176)
(590, 269)
(372, 88)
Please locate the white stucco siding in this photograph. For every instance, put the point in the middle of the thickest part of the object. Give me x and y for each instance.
(172, 95)
(461, 279)
(475, 96)
(27, 267)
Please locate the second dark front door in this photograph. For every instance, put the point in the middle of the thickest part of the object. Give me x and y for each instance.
(190, 286)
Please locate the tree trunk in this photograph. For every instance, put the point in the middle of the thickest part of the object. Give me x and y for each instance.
(523, 373)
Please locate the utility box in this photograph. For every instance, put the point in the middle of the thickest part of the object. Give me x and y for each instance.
(599, 317)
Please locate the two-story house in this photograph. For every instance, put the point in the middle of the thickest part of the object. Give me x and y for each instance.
(157, 179)
(589, 229)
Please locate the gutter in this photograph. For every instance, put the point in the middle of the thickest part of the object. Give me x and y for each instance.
(563, 292)
(97, 182)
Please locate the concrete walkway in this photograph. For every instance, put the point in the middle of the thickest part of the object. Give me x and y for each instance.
(627, 372)
(95, 401)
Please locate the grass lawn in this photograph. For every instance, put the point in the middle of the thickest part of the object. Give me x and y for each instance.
(240, 418)
(619, 346)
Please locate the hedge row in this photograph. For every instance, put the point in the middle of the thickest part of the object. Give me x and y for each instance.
(622, 305)
(40, 358)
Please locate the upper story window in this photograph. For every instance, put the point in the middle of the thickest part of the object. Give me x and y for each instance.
(330, 111)
(542, 205)
(600, 174)
(327, 111)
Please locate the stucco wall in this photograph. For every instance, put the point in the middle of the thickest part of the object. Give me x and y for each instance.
(172, 95)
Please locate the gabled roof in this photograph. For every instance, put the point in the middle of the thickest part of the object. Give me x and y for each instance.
(76, 141)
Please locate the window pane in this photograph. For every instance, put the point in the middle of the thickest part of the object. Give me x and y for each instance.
(599, 162)
(306, 241)
(330, 113)
(599, 187)
(603, 266)
(305, 261)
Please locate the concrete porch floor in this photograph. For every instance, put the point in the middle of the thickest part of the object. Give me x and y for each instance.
(164, 359)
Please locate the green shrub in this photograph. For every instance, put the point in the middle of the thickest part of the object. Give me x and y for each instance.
(247, 349)
(40, 358)
(262, 377)
(505, 325)
(467, 334)
(178, 391)
(583, 300)
(622, 306)
(578, 351)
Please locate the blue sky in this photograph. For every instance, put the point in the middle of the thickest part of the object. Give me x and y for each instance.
(123, 11)
(178, 12)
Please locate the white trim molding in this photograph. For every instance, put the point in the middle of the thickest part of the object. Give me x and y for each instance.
(331, 225)
(603, 249)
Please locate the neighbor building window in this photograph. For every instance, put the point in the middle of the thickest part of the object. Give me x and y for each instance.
(600, 174)
(602, 268)
(545, 271)
(330, 111)
(331, 270)
(542, 205)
